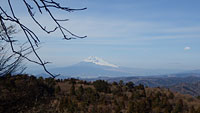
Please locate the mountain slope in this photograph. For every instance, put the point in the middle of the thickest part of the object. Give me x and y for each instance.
(94, 67)
(187, 88)
(90, 68)
(28, 94)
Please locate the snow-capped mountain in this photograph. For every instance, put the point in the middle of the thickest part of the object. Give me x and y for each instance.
(93, 67)
(99, 61)
(90, 67)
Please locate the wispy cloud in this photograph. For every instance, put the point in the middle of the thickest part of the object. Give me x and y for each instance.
(118, 28)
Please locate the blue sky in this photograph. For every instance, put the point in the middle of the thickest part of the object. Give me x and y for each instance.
(132, 33)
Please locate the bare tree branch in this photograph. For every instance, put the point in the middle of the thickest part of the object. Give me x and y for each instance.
(10, 64)
(31, 37)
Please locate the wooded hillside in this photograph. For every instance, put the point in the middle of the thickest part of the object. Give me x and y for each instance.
(28, 94)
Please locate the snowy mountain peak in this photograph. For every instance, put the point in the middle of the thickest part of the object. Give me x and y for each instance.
(99, 61)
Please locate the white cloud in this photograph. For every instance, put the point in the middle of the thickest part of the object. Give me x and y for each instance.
(187, 48)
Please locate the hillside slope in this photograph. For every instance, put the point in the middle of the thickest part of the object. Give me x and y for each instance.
(28, 94)
(187, 88)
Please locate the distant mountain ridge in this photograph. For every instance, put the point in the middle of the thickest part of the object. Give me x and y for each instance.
(94, 67)
(90, 67)
(186, 84)
(192, 88)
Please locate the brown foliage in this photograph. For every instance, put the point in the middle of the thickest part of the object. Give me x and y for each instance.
(23, 93)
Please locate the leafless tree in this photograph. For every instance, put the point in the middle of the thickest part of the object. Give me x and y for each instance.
(10, 63)
(41, 6)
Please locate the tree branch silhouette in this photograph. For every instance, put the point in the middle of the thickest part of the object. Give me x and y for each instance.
(11, 63)
(31, 37)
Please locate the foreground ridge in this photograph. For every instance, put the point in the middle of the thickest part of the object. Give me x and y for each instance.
(28, 94)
